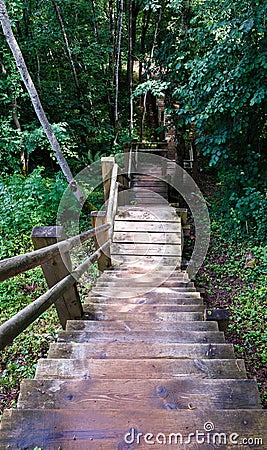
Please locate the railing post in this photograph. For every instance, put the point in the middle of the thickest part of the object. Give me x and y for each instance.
(100, 218)
(68, 306)
(107, 164)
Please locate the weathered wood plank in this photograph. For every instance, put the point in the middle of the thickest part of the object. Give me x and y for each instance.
(168, 272)
(147, 226)
(113, 308)
(147, 214)
(141, 193)
(101, 430)
(145, 316)
(178, 285)
(182, 337)
(143, 300)
(121, 325)
(182, 394)
(155, 291)
(151, 283)
(146, 201)
(83, 369)
(68, 305)
(106, 350)
(149, 238)
(149, 279)
(146, 249)
(147, 262)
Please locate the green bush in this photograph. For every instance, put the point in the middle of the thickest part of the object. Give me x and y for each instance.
(25, 203)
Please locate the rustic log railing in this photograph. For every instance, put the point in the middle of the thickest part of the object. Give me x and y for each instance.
(54, 258)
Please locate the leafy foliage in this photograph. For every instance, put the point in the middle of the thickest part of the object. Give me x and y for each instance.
(214, 57)
(26, 202)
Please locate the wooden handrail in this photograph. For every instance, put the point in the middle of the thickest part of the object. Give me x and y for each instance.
(18, 323)
(21, 263)
(54, 256)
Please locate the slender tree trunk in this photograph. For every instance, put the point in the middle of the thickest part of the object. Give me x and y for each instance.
(110, 78)
(21, 65)
(130, 64)
(148, 75)
(146, 19)
(117, 66)
(68, 50)
(24, 162)
(15, 117)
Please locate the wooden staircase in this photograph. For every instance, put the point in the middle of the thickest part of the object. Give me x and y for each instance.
(142, 364)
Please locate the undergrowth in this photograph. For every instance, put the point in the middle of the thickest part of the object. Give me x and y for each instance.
(234, 276)
(25, 203)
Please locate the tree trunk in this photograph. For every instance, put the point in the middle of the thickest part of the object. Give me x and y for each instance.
(116, 75)
(130, 64)
(14, 111)
(21, 65)
(146, 19)
(68, 50)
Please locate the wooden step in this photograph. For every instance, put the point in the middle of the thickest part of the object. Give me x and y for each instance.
(143, 337)
(147, 226)
(117, 395)
(113, 308)
(147, 201)
(145, 279)
(121, 325)
(154, 292)
(83, 369)
(147, 262)
(150, 249)
(153, 284)
(152, 316)
(104, 350)
(135, 272)
(144, 193)
(102, 430)
(145, 237)
(147, 214)
(143, 300)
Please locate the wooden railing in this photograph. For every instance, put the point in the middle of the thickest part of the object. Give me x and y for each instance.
(52, 254)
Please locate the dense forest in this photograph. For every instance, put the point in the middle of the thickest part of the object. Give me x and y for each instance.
(97, 66)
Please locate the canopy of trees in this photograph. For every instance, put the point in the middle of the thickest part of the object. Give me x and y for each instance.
(90, 61)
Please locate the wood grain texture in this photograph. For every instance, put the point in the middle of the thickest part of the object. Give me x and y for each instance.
(122, 325)
(143, 337)
(147, 226)
(102, 350)
(102, 430)
(147, 238)
(171, 394)
(83, 369)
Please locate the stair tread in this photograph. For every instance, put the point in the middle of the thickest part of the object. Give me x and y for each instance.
(106, 350)
(145, 316)
(142, 368)
(102, 307)
(116, 325)
(162, 393)
(144, 337)
(143, 299)
(102, 430)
